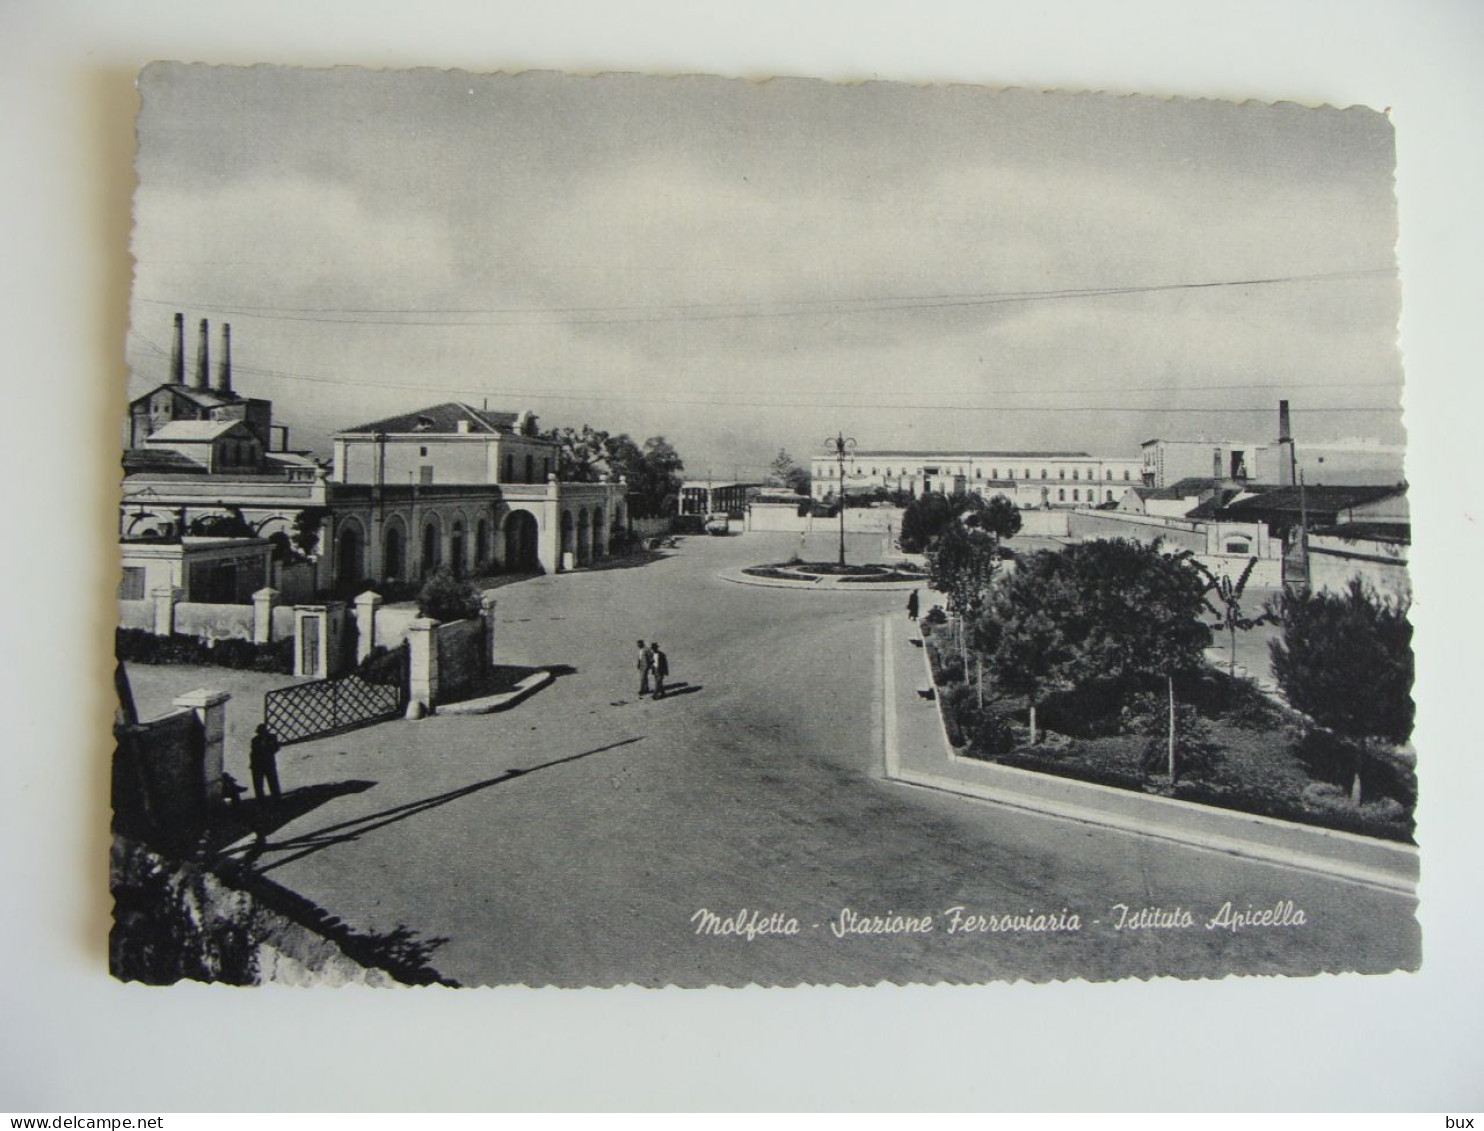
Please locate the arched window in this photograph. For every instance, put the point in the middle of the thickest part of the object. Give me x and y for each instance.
(530, 468)
(1075, 473)
(509, 468)
(1061, 494)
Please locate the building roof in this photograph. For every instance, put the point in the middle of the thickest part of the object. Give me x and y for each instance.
(441, 419)
(1318, 500)
(947, 454)
(1395, 532)
(1208, 508)
(159, 460)
(193, 431)
(206, 398)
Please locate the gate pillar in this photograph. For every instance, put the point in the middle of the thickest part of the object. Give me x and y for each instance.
(319, 639)
(422, 667)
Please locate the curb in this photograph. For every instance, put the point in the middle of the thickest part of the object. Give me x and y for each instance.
(502, 702)
(1346, 856)
(821, 584)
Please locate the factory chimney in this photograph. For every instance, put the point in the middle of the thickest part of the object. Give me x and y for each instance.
(1287, 459)
(177, 352)
(203, 357)
(224, 366)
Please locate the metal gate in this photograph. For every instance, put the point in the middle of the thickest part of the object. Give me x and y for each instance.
(374, 691)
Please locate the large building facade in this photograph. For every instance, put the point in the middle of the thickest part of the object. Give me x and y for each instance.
(1027, 478)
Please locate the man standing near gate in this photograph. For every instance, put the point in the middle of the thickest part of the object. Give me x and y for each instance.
(263, 760)
(646, 661)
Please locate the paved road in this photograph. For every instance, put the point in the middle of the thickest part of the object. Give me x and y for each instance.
(757, 787)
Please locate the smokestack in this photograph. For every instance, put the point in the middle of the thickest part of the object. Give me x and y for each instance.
(224, 366)
(1287, 458)
(177, 352)
(203, 356)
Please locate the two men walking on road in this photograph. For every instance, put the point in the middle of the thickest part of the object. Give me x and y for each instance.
(652, 662)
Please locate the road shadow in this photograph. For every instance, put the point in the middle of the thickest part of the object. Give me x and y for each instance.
(681, 688)
(253, 817)
(290, 849)
(627, 561)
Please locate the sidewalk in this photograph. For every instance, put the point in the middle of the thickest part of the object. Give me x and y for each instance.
(828, 582)
(917, 752)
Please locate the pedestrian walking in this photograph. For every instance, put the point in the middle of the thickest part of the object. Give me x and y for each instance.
(263, 760)
(912, 606)
(646, 662)
(660, 663)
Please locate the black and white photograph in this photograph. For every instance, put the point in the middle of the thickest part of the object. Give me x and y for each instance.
(600, 530)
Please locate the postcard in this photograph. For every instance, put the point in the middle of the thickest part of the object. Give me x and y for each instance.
(682, 531)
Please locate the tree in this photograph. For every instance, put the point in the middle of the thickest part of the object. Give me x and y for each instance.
(1142, 610)
(784, 472)
(1033, 630)
(962, 566)
(996, 516)
(1229, 616)
(660, 475)
(583, 455)
(924, 520)
(1345, 660)
(445, 597)
(307, 524)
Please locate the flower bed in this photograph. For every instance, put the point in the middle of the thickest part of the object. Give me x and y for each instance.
(1243, 753)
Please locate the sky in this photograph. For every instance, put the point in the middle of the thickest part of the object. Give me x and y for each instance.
(746, 266)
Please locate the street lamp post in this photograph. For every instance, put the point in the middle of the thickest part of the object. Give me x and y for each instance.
(840, 444)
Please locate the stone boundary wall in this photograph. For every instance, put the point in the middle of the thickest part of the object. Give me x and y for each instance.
(1137, 528)
(214, 622)
(651, 527)
(201, 928)
(461, 658)
(391, 625)
(283, 621)
(1331, 571)
(137, 614)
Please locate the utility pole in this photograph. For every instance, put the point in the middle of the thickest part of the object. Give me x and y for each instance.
(839, 445)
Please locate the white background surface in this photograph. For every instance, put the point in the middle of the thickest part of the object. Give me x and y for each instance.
(73, 1040)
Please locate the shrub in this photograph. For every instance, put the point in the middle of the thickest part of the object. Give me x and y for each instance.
(447, 598)
(1148, 714)
(986, 730)
(136, 645)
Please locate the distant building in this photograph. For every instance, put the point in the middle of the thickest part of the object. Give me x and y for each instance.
(717, 496)
(1027, 478)
(1166, 462)
(202, 399)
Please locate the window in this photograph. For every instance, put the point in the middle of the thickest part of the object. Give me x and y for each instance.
(1061, 473)
(1125, 475)
(1076, 495)
(425, 474)
(1061, 494)
(1110, 496)
(1043, 473)
(422, 451)
(1238, 545)
(509, 469)
(1075, 473)
(546, 468)
(1110, 474)
(979, 473)
(131, 588)
(530, 468)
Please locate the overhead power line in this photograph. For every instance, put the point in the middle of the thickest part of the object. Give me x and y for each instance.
(717, 402)
(715, 311)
